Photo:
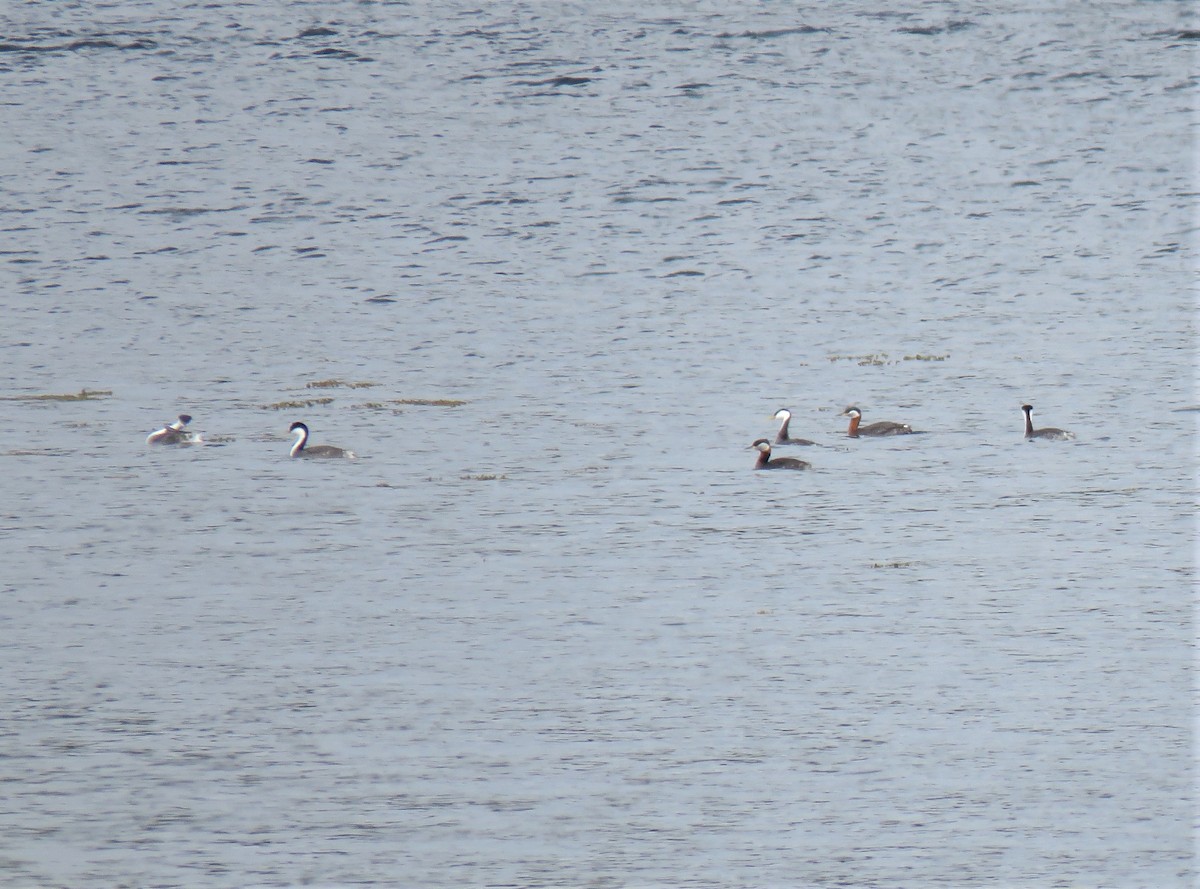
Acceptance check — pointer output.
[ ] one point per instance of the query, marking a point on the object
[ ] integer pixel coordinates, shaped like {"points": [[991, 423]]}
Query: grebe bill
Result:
{"points": [[785, 417], [299, 449], [173, 433], [765, 462], [883, 427], [1049, 433]]}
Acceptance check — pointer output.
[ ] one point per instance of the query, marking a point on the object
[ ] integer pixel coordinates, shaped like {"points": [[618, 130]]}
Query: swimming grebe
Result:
{"points": [[1049, 432], [173, 433], [784, 415], [299, 449], [883, 427], [765, 461]]}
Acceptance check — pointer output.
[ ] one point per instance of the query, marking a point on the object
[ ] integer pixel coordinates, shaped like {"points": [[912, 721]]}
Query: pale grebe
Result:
{"points": [[299, 449], [765, 461], [1049, 432], [173, 433], [784, 415], [883, 427]]}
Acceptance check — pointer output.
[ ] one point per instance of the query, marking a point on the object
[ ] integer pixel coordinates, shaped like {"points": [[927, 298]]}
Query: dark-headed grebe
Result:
{"points": [[173, 433], [765, 461], [883, 427], [1049, 432], [299, 449], [785, 416]]}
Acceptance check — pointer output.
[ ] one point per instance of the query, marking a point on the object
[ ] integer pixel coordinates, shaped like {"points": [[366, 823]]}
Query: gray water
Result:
{"points": [[552, 629]]}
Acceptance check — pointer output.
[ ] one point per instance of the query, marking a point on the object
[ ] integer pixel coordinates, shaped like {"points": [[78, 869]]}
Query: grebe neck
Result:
{"points": [[1028, 409], [854, 420], [301, 433], [786, 416]]}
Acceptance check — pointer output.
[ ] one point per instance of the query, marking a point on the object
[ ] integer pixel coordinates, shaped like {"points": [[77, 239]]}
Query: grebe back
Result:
{"points": [[765, 462], [299, 449]]}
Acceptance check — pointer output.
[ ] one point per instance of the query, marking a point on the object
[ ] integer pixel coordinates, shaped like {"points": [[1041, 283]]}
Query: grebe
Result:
{"points": [[299, 449], [1049, 432], [883, 427], [173, 433], [765, 461], [785, 416]]}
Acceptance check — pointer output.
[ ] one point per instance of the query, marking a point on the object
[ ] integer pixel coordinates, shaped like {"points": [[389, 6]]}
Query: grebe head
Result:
{"points": [[783, 414], [298, 428], [852, 412], [1027, 407], [762, 445]]}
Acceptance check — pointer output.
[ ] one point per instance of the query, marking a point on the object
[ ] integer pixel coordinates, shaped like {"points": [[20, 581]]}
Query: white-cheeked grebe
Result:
{"points": [[1049, 432], [299, 449], [883, 427], [174, 433], [765, 462], [785, 416]]}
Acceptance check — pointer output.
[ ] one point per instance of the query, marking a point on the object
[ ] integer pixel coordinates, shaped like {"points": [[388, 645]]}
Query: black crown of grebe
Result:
{"points": [[299, 449], [765, 462], [883, 427], [785, 417], [174, 433], [1049, 433]]}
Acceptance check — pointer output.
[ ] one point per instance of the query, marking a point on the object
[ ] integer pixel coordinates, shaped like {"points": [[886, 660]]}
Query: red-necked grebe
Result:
{"points": [[1048, 433], [765, 461], [299, 449], [883, 427]]}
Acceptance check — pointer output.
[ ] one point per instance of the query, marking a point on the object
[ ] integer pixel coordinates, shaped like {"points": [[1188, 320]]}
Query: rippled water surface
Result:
{"points": [[557, 266]]}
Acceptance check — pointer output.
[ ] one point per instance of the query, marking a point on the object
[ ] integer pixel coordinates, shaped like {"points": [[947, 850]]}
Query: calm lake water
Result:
{"points": [[565, 263]]}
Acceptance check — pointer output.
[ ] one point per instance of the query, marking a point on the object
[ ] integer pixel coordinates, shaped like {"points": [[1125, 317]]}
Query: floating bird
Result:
{"points": [[883, 427], [299, 449], [785, 416], [173, 433], [1048, 433], [765, 461]]}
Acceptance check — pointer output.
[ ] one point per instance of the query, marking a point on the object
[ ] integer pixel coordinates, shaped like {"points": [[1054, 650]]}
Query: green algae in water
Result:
{"points": [[409, 402], [336, 384], [289, 405], [862, 359], [81, 395], [879, 359], [920, 357]]}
